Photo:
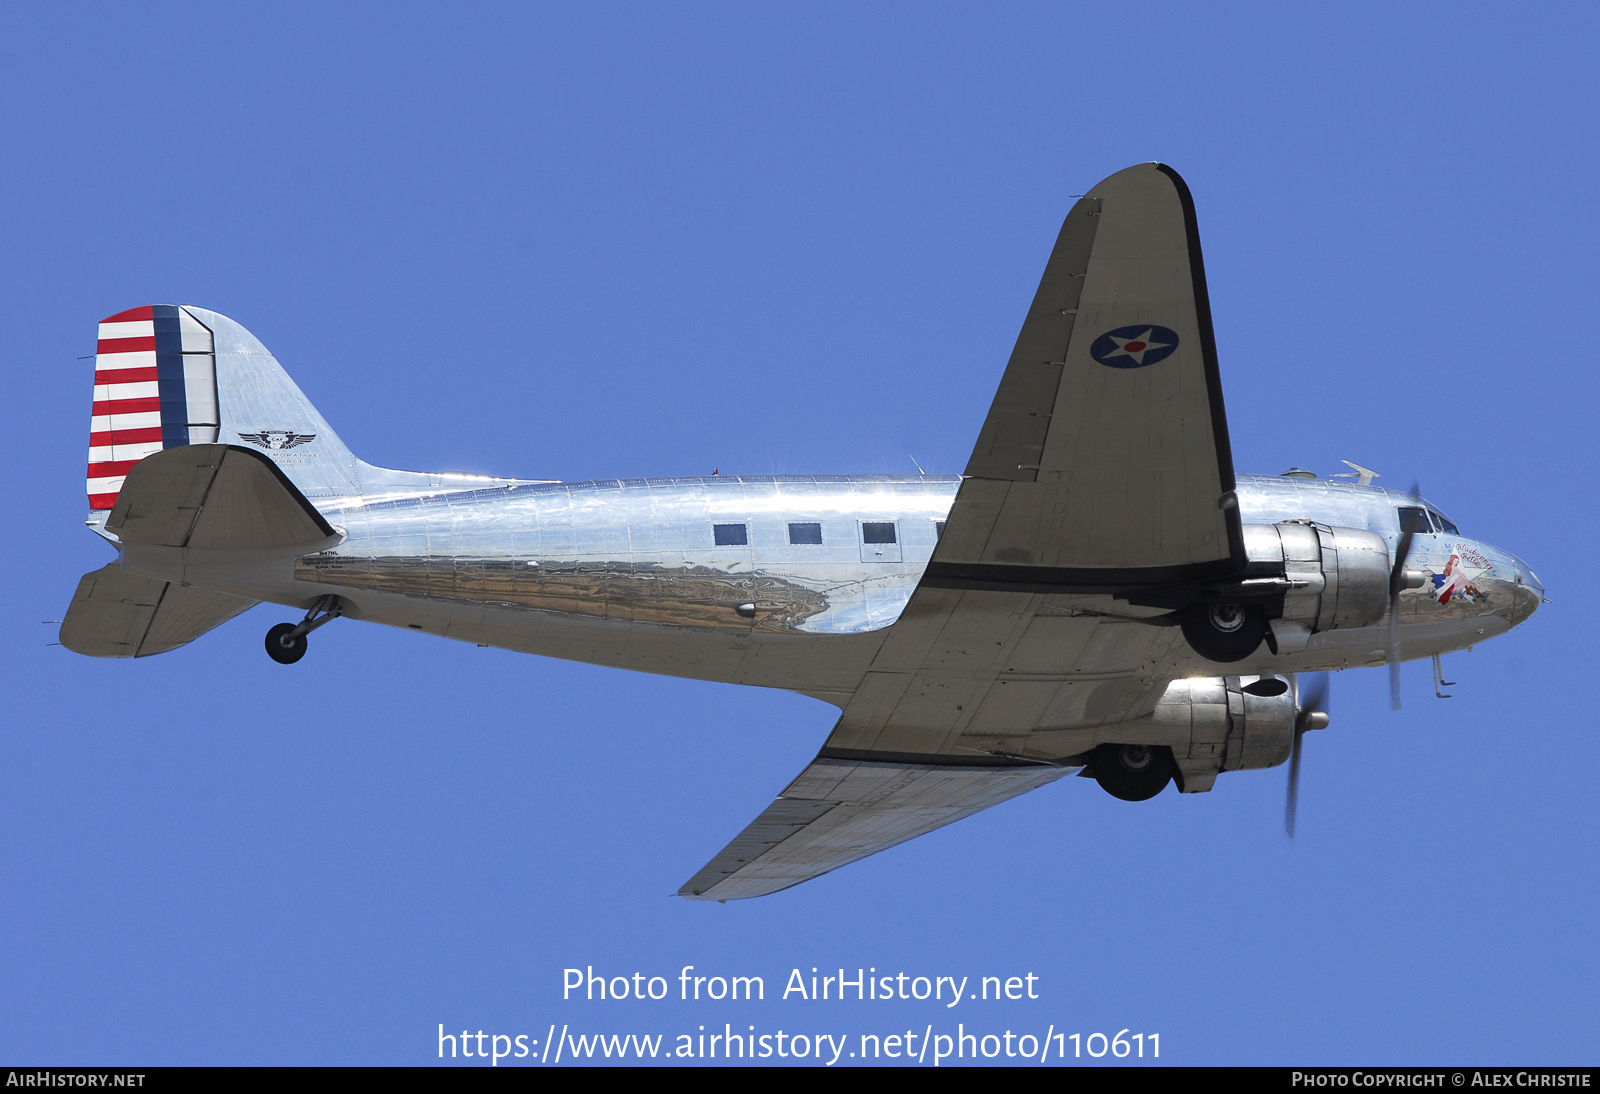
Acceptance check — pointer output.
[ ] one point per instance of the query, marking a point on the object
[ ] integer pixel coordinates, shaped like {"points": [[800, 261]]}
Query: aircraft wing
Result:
{"points": [[1104, 461], [841, 809], [1102, 479], [976, 696]]}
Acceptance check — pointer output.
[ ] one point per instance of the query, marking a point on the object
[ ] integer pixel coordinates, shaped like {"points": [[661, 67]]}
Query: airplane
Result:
{"points": [[1098, 594]]}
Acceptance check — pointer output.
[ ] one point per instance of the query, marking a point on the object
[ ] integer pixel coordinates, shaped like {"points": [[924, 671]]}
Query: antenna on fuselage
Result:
{"points": [[1362, 475], [915, 464]]}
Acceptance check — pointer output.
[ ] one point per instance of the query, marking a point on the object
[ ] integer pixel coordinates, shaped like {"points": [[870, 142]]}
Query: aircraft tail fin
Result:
{"points": [[168, 376]]}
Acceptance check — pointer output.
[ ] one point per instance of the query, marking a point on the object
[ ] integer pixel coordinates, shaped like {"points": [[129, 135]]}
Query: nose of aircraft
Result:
{"points": [[1526, 589]]}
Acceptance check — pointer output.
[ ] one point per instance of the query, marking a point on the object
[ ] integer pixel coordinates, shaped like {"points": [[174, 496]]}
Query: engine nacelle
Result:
{"points": [[1226, 728], [1331, 577]]}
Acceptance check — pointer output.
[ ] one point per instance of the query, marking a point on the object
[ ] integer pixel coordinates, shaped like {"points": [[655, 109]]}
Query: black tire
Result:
{"points": [[1134, 773], [1225, 632], [285, 654]]}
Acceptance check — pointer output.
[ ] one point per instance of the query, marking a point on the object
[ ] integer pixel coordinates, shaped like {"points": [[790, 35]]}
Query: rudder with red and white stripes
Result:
{"points": [[155, 387]]}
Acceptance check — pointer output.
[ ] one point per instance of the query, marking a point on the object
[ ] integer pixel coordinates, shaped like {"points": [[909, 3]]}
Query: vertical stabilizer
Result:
{"points": [[168, 375], [263, 409]]}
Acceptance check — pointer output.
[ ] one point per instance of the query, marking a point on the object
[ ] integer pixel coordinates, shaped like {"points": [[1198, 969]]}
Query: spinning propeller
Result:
{"points": [[1400, 579], [1311, 708], [1311, 712]]}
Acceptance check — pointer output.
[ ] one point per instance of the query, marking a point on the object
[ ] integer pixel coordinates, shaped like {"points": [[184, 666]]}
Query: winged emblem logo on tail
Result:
{"points": [[277, 439]]}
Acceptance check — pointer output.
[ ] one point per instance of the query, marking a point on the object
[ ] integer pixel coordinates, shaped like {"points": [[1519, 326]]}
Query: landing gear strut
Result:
{"points": [[1134, 773], [1224, 632], [286, 643]]}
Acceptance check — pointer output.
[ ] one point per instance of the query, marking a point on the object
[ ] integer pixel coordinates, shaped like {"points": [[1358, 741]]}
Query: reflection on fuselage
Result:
{"points": [[799, 555]]}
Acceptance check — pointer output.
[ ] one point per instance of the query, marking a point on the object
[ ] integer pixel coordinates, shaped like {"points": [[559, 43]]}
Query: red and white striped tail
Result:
{"points": [[155, 387]]}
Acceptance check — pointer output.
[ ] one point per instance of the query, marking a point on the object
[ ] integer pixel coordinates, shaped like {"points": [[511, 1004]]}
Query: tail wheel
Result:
{"points": [[1224, 632], [282, 648], [1134, 773]]}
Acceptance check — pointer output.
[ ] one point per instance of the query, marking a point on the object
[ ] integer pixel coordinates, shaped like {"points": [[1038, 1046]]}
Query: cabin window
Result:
{"points": [[1414, 519], [805, 533], [730, 535], [938, 529], [877, 531]]}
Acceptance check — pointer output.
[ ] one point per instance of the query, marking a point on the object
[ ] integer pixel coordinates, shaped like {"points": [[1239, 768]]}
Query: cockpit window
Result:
{"points": [[1446, 523], [1414, 519]]}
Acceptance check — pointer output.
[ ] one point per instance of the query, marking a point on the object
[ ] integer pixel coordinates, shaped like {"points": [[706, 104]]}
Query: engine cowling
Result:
{"points": [[1331, 578], [1226, 728]]}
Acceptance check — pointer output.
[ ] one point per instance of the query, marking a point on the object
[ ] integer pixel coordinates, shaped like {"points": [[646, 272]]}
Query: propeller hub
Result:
{"points": [[1314, 719]]}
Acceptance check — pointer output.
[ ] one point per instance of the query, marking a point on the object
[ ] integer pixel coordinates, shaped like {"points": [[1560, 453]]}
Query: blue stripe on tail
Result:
{"points": [[169, 373]]}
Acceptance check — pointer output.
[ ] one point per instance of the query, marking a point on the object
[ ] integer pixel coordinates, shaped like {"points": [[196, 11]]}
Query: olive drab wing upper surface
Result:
{"points": [[1105, 455], [1103, 462]]}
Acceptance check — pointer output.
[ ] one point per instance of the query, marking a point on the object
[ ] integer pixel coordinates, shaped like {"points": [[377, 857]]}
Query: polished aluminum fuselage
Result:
{"points": [[629, 573]]}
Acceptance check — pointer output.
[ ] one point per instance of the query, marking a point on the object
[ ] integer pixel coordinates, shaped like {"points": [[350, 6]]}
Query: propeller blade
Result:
{"points": [[1316, 697], [1310, 713], [1294, 783], [1394, 650], [1402, 553]]}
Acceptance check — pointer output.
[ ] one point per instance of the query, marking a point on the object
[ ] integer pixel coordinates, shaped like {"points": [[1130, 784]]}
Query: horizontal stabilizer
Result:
{"points": [[196, 501], [215, 497], [116, 614], [842, 809]]}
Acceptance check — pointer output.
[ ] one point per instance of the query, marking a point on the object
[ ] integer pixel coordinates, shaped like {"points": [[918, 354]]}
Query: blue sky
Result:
{"points": [[593, 241]]}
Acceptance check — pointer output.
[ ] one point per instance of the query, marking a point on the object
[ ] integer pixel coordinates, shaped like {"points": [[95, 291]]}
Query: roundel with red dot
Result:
{"points": [[1134, 347]]}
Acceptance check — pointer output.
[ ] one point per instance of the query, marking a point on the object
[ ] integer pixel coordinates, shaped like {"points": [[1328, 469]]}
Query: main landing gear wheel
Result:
{"points": [[1224, 632], [284, 646], [286, 643], [1134, 773]]}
